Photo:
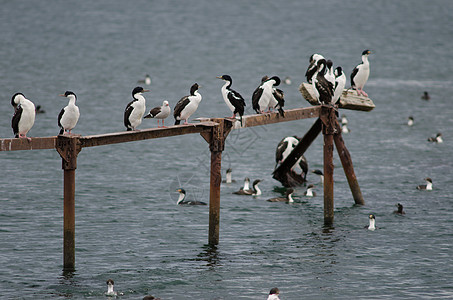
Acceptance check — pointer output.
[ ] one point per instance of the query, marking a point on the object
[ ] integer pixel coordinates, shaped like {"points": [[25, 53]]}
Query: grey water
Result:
{"points": [[128, 226]]}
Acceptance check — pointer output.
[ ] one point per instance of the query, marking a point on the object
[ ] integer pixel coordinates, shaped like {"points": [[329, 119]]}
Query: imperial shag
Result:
{"points": [[24, 116], [187, 105], [360, 74], [182, 199], [69, 115], [135, 109], [264, 93], [322, 88], [313, 66], [159, 112], [288, 197], [233, 99], [340, 82]]}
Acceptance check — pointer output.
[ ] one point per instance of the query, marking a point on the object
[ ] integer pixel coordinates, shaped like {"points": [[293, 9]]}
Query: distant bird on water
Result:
{"points": [[319, 173], [187, 105], [372, 225], [360, 74], [340, 82], [110, 291], [425, 96], [233, 99], [69, 115], [229, 179], [309, 192], [135, 109], [428, 186], [410, 121], [245, 190], [24, 115], [159, 113], [322, 88], [288, 197], [255, 189], [313, 66], [146, 81], [400, 210], [287, 80], [436, 139], [273, 294], [39, 110], [182, 199]]}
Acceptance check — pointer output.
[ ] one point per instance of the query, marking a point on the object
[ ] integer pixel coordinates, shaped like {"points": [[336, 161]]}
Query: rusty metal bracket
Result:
{"points": [[68, 147]]}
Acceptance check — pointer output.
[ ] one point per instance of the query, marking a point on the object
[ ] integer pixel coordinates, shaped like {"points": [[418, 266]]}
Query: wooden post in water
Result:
{"points": [[68, 147]]}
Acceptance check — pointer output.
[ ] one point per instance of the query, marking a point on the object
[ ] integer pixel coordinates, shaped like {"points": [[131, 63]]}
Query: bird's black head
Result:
{"points": [[366, 52], [110, 281], [229, 170], [274, 291], [371, 217], [68, 93], [289, 191], [429, 179], [226, 78], [321, 63], [276, 79], [256, 182], [317, 172], [181, 190], [329, 63], [14, 101], [338, 71], [138, 90], [194, 88]]}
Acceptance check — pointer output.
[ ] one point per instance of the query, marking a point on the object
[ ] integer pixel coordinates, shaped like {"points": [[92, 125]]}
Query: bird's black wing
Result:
{"points": [[256, 97], [311, 70], [127, 114], [354, 72], [280, 97], [16, 119], [237, 101], [60, 115], [179, 107], [325, 89], [155, 111], [280, 149]]}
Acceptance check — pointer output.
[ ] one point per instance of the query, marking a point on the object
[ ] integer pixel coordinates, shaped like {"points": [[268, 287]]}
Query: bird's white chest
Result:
{"points": [[27, 118], [138, 112], [164, 112], [362, 75], [191, 107], [225, 92], [70, 117]]}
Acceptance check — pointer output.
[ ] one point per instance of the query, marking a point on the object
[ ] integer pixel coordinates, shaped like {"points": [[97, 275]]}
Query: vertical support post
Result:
{"points": [[216, 145], [68, 147], [328, 118], [348, 168]]}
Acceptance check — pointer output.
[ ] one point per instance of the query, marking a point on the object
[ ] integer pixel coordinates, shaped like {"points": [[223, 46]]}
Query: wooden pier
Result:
{"points": [[214, 131]]}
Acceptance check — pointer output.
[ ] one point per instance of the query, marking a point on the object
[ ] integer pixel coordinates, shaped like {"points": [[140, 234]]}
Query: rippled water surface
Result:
{"points": [[128, 227]]}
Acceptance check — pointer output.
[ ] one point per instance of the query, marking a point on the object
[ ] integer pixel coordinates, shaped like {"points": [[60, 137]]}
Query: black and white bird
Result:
{"points": [[255, 189], [24, 116], [428, 186], [273, 294], [340, 82], [320, 174], [330, 76], [135, 109], [284, 148], [344, 120], [245, 190], [40, 110], [322, 88], [159, 113], [263, 94], [400, 210], [425, 96], [277, 101], [69, 115], [187, 105], [146, 81], [110, 291], [288, 197], [372, 225], [410, 121], [229, 175], [309, 192], [313, 66], [182, 199], [345, 129], [360, 74], [437, 139], [233, 99]]}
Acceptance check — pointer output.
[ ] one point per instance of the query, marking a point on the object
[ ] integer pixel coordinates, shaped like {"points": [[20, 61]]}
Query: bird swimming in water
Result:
{"points": [[288, 197], [110, 291], [410, 121], [322, 88], [340, 82], [345, 129], [313, 66], [436, 139], [182, 197], [273, 294], [24, 116], [150, 297], [229, 179], [344, 120], [309, 192], [159, 113], [425, 96], [428, 186], [372, 225], [69, 115], [135, 109], [319, 173], [233, 99], [146, 81], [255, 189], [39, 110], [187, 105], [245, 190], [263, 94], [400, 210], [360, 74], [287, 80]]}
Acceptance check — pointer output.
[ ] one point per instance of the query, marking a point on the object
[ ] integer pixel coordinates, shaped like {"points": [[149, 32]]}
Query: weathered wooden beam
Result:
{"points": [[15, 144], [274, 117], [348, 167], [144, 134], [282, 172], [328, 119], [348, 100]]}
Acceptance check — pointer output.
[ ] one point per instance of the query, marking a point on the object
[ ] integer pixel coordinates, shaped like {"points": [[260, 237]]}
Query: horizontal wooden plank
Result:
{"points": [[348, 100], [144, 134], [274, 117], [25, 144]]}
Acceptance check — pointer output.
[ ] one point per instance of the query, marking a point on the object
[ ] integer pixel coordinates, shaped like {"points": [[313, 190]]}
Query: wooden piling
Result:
{"points": [[348, 167]]}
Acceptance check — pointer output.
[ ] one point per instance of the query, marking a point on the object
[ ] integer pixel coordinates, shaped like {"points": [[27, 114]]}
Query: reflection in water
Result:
{"points": [[210, 254]]}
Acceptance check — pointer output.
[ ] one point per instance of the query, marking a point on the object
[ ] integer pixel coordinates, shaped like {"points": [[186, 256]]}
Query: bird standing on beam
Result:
{"points": [[24, 116], [69, 115], [313, 66], [187, 105], [233, 99], [321, 86], [135, 109], [360, 74]]}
